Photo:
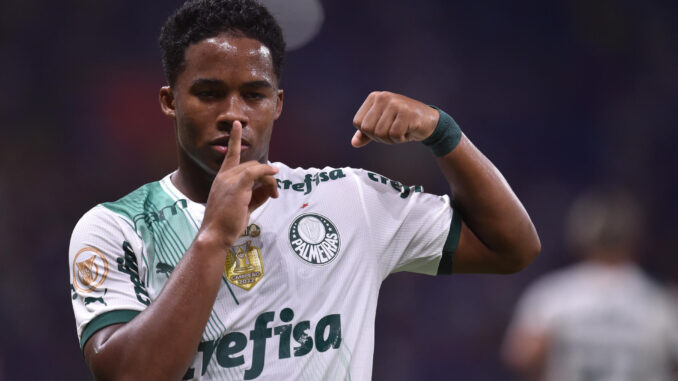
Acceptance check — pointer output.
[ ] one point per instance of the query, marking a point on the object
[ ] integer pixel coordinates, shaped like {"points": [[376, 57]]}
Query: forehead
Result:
{"points": [[228, 55]]}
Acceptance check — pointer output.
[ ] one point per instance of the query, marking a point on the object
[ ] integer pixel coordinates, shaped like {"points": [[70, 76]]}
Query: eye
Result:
{"points": [[209, 94], [254, 95]]}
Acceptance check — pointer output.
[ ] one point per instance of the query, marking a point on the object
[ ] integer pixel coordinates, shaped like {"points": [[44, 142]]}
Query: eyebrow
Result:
{"points": [[218, 82]]}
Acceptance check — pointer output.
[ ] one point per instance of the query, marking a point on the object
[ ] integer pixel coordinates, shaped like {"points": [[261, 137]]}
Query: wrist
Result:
{"points": [[212, 242], [445, 137]]}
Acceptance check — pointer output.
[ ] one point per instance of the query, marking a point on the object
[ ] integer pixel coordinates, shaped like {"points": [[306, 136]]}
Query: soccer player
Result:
{"points": [[602, 318], [234, 267]]}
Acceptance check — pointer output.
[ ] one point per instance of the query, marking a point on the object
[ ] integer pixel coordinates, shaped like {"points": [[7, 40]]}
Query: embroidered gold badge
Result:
{"points": [[244, 266]]}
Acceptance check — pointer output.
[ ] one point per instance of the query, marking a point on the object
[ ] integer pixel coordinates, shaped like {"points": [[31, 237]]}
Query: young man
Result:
{"points": [[233, 267]]}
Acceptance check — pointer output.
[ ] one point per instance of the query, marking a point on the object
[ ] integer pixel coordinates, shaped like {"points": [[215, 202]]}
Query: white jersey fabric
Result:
{"points": [[606, 323], [299, 290]]}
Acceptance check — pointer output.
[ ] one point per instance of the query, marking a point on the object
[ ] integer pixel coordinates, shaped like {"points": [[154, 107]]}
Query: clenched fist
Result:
{"points": [[393, 118]]}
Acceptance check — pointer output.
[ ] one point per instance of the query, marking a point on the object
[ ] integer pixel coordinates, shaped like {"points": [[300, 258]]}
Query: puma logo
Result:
{"points": [[164, 268], [91, 299]]}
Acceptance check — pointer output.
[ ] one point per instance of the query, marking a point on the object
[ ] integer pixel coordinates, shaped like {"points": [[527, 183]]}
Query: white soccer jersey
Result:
{"points": [[299, 291], [602, 323]]}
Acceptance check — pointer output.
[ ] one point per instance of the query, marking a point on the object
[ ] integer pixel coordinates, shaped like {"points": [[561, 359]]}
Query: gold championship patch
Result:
{"points": [[90, 269], [244, 266]]}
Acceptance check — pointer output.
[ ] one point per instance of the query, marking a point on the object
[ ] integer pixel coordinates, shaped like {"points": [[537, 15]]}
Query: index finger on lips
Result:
{"points": [[232, 158]]}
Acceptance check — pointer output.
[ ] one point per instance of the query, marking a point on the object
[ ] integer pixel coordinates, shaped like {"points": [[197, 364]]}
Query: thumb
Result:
{"points": [[360, 140]]}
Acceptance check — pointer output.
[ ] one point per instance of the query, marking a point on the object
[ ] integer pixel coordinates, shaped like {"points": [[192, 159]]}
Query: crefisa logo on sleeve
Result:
{"points": [[314, 238], [90, 269]]}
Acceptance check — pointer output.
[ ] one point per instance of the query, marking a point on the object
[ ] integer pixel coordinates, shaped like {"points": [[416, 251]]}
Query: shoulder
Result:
{"points": [[140, 201], [304, 179], [114, 219], [307, 179], [650, 290]]}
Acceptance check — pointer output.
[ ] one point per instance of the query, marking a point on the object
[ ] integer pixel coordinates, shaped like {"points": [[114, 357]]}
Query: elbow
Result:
{"points": [[525, 254], [521, 255], [108, 365]]}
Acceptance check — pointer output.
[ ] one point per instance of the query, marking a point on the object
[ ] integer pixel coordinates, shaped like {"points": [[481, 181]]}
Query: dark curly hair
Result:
{"points": [[197, 20]]}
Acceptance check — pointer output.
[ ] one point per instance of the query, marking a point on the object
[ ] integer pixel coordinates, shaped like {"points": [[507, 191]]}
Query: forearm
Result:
{"points": [[161, 342], [491, 211]]}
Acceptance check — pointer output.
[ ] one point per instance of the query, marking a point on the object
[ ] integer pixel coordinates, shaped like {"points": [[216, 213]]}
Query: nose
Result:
{"points": [[232, 109]]}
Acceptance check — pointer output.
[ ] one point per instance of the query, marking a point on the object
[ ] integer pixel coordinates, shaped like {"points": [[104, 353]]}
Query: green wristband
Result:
{"points": [[445, 137]]}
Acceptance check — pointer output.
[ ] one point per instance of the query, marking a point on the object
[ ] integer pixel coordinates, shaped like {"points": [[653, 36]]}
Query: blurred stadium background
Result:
{"points": [[561, 95]]}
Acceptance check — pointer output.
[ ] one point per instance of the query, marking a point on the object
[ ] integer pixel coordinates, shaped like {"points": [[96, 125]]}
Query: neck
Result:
{"points": [[192, 180]]}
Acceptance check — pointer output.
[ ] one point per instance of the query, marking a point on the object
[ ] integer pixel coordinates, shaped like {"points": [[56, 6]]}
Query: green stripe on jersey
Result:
{"points": [[162, 225], [446, 265], [104, 320]]}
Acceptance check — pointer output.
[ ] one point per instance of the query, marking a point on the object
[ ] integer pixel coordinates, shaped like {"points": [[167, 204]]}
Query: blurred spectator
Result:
{"points": [[600, 319]]}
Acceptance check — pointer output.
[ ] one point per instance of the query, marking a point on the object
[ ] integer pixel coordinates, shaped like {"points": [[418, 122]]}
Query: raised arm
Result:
{"points": [[497, 235], [161, 342]]}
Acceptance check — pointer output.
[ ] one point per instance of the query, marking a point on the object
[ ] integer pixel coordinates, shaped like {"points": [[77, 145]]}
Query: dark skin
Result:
{"points": [[228, 92]]}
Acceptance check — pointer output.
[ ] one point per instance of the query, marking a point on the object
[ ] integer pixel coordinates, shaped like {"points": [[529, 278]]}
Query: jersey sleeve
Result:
{"points": [[107, 281], [410, 230]]}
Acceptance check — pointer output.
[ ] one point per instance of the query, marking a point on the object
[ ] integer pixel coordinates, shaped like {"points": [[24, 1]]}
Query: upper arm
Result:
{"points": [[473, 256], [100, 363], [497, 235]]}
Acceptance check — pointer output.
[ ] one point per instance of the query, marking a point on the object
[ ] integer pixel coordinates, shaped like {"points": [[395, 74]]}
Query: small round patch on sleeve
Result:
{"points": [[90, 269]]}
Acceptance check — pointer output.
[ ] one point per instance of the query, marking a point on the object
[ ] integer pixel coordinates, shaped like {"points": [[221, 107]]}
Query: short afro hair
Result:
{"points": [[197, 20]]}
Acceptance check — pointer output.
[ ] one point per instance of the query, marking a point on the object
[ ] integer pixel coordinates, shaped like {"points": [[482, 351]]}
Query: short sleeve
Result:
{"points": [[106, 278], [410, 230]]}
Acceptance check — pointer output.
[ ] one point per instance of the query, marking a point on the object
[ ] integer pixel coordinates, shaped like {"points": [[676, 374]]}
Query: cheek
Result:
{"points": [[187, 133], [188, 126]]}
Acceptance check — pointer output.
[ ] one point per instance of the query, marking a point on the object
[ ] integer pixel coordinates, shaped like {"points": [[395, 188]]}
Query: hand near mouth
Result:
{"points": [[222, 143], [237, 190]]}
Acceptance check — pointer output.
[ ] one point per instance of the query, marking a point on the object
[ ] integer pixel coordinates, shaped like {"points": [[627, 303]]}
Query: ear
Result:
{"points": [[166, 98], [279, 105]]}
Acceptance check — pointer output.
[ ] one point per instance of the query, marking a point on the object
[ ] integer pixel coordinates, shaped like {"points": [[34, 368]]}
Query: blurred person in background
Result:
{"points": [[602, 318]]}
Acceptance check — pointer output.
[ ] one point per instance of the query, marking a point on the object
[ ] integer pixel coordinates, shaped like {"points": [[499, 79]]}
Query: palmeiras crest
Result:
{"points": [[314, 239]]}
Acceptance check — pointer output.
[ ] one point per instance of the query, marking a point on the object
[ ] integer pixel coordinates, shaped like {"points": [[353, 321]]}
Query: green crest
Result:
{"points": [[314, 238]]}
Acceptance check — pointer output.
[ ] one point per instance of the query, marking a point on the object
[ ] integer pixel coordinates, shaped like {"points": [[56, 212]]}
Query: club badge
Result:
{"points": [[314, 238]]}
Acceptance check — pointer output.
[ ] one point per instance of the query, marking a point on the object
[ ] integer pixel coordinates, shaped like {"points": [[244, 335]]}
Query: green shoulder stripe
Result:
{"points": [[139, 203], [104, 320]]}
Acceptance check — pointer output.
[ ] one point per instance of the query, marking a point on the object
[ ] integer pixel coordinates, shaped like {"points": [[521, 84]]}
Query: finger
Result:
{"points": [[268, 188], [233, 153], [243, 167], [364, 108], [370, 120], [360, 139], [382, 129], [256, 172], [271, 183], [399, 132]]}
